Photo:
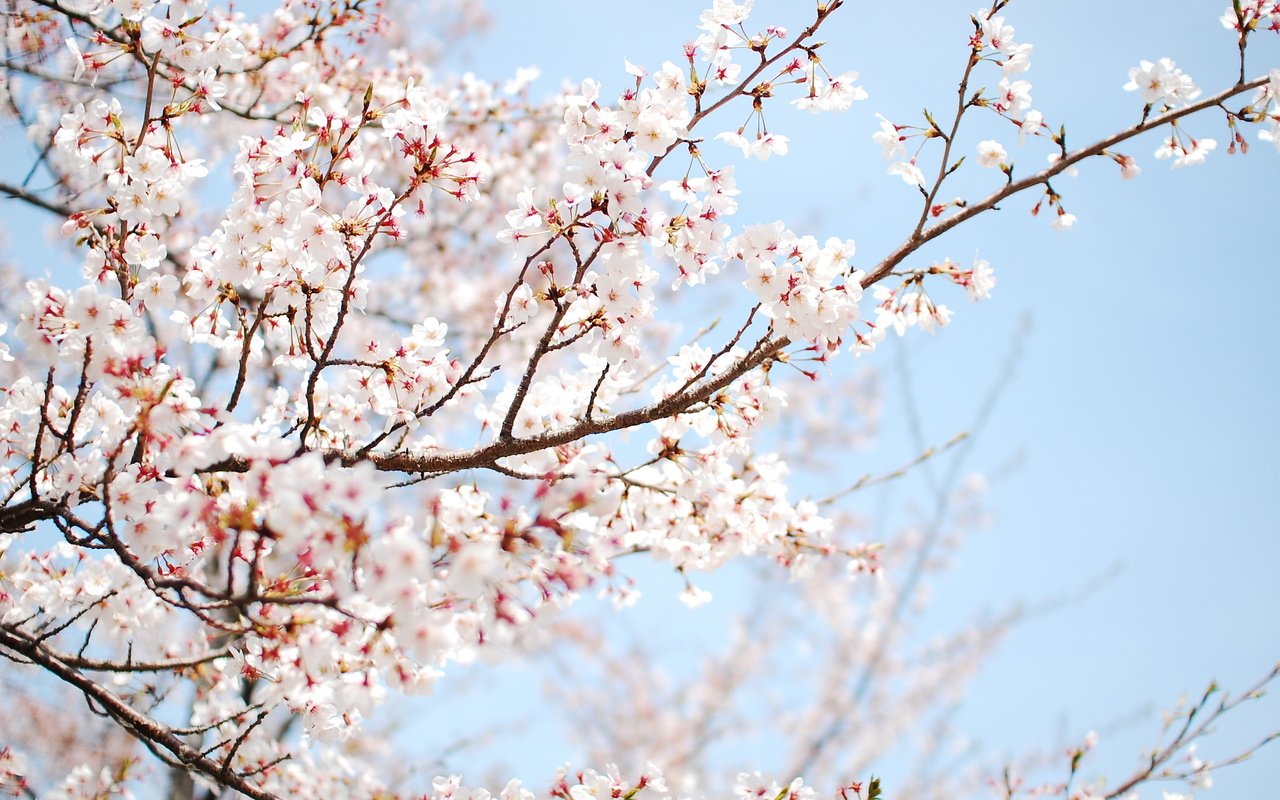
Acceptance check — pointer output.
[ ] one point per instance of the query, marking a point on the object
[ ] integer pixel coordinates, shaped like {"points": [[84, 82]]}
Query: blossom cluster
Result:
{"points": [[809, 291], [1250, 15], [1268, 102], [1162, 82]]}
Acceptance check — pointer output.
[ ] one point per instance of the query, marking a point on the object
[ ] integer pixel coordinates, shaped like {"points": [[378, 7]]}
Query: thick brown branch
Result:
{"points": [[18, 193], [21, 516], [486, 455], [142, 727], [1069, 160]]}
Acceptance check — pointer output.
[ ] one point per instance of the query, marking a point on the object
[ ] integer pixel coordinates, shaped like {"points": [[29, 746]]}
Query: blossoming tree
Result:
{"points": [[364, 371]]}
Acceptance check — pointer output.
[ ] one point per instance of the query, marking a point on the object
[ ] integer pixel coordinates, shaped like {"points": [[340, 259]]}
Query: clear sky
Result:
{"points": [[1142, 418]]}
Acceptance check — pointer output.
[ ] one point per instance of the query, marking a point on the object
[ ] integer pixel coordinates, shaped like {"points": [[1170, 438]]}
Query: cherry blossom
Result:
{"points": [[365, 372], [1161, 82], [991, 153], [889, 138], [909, 172], [1186, 151]]}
